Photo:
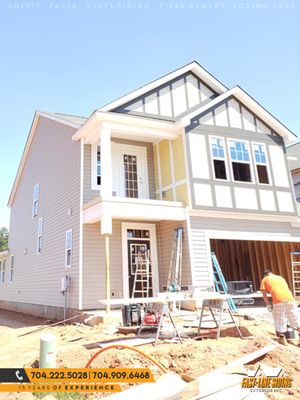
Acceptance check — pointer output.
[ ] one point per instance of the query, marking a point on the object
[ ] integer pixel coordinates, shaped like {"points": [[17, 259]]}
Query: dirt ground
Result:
{"points": [[192, 357]]}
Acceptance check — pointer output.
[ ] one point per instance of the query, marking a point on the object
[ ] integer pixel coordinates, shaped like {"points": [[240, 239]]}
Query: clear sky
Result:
{"points": [[74, 56]]}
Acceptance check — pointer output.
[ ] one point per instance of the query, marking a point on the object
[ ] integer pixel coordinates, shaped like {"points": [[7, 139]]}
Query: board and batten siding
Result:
{"points": [[90, 194], [165, 235], [171, 100], [277, 197], [53, 162]]}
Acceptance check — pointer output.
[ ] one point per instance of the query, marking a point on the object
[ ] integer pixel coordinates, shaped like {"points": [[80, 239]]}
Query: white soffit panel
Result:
{"points": [[179, 97], [285, 202], [206, 93], [199, 160], [221, 117], [151, 105], [245, 198], [165, 102], [223, 196], [137, 106], [234, 114], [207, 119], [193, 91], [261, 127], [203, 196], [248, 120], [278, 165], [267, 200]]}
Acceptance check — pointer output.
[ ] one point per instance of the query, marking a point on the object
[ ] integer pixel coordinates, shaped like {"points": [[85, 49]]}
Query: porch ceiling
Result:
{"points": [[133, 209]]}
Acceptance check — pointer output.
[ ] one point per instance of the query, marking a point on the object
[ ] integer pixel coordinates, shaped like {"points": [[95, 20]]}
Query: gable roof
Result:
{"points": [[70, 120], [194, 67], [249, 102]]}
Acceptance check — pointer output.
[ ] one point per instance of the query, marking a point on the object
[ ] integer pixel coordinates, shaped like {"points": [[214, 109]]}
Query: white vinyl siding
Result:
{"points": [[69, 246], [35, 205], [39, 236], [11, 271]]}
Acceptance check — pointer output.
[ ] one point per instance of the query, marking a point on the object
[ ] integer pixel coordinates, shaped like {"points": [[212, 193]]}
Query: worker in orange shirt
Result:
{"points": [[284, 306]]}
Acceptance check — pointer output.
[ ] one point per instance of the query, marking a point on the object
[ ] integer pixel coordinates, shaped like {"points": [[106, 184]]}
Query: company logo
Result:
{"points": [[267, 379]]}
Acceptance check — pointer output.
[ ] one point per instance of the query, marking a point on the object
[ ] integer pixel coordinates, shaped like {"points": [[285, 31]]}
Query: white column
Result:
{"points": [[106, 168]]}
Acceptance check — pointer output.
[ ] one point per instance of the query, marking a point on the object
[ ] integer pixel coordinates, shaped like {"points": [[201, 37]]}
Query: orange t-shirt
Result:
{"points": [[277, 287]]}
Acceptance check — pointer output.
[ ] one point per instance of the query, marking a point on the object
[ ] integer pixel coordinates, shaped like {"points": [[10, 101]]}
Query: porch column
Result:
{"points": [[106, 168], [106, 193]]}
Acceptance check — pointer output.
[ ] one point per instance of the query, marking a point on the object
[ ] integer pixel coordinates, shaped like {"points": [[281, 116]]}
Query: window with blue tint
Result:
{"points": [[261, 162], [218, 155], [239, 151]]}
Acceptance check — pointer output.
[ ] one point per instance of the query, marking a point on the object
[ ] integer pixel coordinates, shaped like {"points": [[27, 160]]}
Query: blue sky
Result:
{"points": [[74, 56]]}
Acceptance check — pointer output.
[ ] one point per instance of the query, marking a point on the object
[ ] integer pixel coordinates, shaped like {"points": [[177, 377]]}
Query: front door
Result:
{"points": [[139, 268], [130, 172]]}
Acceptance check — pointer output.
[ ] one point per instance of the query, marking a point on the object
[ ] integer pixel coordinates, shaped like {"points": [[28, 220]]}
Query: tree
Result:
{"points": [[3, 239]]}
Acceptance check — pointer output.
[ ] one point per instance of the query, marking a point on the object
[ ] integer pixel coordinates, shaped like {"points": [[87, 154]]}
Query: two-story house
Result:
{"points": [[183, 150]]}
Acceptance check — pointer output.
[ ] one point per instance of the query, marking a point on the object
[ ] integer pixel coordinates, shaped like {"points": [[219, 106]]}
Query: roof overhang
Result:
{"points": [[194, 67], [122, 125], [249, 102]]}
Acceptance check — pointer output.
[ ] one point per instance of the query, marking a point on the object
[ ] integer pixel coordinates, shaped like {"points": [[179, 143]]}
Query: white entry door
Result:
{"points": [[130, 172]]}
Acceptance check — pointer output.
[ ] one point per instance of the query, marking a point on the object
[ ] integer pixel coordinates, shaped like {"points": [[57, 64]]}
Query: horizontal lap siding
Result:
{"points": [[165, 234], [94, 278], [54, 163]]}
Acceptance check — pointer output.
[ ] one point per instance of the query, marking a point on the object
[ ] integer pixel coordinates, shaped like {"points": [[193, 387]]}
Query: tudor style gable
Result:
{"points": [[172, 99]]}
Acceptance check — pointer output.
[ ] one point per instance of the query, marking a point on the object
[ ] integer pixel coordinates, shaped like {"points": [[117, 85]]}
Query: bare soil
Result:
{"points": [[192, 357]]}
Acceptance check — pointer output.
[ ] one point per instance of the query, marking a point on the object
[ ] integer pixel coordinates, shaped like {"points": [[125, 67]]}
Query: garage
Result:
{"points": [[245, 260]]}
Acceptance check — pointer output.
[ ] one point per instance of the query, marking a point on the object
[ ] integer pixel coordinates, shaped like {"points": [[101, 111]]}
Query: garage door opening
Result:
{"points": [[245, 260]]}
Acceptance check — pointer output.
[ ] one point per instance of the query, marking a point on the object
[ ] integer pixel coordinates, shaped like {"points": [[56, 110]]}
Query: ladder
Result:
{"points": [[174, 275], [220, 282], [295, 261], [142, 275]]}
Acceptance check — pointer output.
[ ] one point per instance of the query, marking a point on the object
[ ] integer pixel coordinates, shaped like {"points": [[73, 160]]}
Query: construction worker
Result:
{"points": [[284, 307]]}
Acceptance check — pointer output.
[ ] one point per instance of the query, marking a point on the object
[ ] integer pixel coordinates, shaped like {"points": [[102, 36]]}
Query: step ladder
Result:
{"points": [[220, 282], [143, 275], [174, 275], [295, 261]]}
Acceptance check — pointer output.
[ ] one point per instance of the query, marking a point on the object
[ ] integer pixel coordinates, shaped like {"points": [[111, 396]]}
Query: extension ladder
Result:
{"points": [[219, 280], [295, 260], [142, 275], [174, 275]]}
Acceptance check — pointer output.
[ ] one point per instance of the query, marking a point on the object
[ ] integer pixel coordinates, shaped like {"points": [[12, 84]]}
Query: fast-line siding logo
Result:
{"points": [[267, 379]]}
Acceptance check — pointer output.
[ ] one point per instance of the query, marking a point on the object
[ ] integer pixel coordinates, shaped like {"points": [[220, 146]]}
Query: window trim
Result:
{"points": [[250, 162], [35, 200], [94, 149], [11, 268], [225, 159], [69, 231], [39, 243], [2, 271], [267, 164]]}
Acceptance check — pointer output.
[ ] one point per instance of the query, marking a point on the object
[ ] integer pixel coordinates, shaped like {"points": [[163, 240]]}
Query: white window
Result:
{"points": [[11, 272], [260, 159], [35, 206], [217, 149], [68, 255], [240, 160], [96, 167], [2, 271], [39, 236]]}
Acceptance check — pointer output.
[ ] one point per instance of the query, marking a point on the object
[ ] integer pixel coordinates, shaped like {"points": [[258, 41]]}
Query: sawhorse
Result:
{"points": [[218, 305]]}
